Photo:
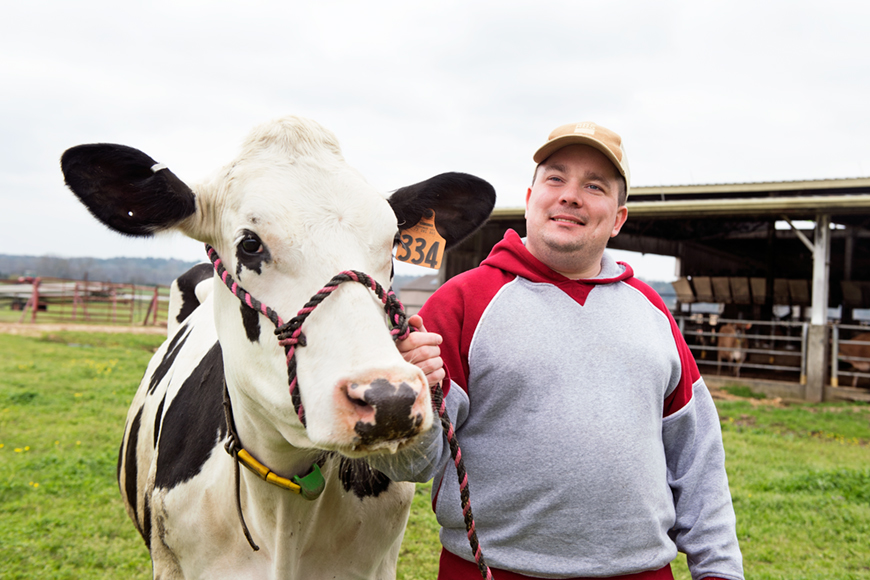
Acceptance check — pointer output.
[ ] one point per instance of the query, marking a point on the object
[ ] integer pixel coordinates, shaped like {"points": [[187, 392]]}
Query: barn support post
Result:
{"points": [[817, 341]]}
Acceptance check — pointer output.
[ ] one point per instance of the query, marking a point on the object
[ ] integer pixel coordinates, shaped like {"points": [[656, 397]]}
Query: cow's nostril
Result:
{"points": [[356, 401]]}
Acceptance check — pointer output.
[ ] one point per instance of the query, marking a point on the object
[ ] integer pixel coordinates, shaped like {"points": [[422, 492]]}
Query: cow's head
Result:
{"points": [[285, 217]]}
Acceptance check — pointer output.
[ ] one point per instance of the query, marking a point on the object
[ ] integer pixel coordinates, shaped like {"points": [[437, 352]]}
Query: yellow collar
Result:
{"points": [[309, 486]]}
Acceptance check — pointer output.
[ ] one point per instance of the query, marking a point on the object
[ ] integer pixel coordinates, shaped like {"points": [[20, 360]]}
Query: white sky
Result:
{"points": [[701, 92]]}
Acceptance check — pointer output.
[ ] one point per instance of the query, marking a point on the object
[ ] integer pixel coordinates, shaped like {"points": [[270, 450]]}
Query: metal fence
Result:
{"points": [[56, 300], [855, 351], [774, 347]]}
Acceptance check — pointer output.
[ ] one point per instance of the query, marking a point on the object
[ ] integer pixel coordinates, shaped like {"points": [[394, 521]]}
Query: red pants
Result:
{"points": [[452, 567]]}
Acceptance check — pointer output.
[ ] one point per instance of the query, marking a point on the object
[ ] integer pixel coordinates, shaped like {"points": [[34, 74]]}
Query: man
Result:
{"points": [[591, 442]]}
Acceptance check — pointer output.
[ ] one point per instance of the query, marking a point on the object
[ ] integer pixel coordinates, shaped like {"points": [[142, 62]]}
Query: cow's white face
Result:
{"points": [[283, 230], [285, 217]]}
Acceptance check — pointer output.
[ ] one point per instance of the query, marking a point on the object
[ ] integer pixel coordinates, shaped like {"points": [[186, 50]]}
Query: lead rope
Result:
{"points": [[232, 447], [290, 336]]}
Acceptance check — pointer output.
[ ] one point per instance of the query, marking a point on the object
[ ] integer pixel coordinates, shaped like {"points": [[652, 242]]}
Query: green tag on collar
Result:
{"points": [[312, 484]]}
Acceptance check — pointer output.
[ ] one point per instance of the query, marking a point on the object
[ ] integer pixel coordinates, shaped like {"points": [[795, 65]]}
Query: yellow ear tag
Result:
{"points": [[422, 245]]}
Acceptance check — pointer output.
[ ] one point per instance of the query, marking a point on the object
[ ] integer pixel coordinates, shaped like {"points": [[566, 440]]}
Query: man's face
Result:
{"points": [[572, 210]]}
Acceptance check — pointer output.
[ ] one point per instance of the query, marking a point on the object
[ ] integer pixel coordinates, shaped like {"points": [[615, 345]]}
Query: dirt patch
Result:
{"points": [[23, 329], [720, 395]]}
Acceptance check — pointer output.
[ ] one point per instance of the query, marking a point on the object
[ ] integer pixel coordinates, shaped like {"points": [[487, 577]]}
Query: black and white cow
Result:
{"points": [[285, 217]]}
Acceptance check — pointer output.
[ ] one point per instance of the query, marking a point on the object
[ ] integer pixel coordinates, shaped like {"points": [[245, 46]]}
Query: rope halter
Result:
{"points": [[290, 334]]}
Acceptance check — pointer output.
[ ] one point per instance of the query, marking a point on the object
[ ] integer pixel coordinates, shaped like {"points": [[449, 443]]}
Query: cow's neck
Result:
{"points": [[259, 437]]}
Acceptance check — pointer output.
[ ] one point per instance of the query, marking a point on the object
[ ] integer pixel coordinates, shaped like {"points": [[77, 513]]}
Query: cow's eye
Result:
{"points": [[251, 244]]}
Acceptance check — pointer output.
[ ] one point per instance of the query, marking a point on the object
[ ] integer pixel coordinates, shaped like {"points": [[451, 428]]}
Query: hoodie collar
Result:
{"points": [[511, 255]]}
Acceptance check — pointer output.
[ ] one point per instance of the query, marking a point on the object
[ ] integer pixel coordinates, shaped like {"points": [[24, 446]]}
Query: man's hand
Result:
{"points": [[421, 349]]}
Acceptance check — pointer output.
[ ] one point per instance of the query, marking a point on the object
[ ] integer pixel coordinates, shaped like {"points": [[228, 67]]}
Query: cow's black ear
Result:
{"points": [[126, 189], [461, 202]]}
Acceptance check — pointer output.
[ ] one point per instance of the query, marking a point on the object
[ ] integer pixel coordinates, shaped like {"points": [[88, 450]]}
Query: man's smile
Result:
{"points": [[568, 219]]}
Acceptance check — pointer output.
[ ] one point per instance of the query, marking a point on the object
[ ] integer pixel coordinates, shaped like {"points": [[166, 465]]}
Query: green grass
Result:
{"points": [[799, 475], [743, 391], [63, 403]]}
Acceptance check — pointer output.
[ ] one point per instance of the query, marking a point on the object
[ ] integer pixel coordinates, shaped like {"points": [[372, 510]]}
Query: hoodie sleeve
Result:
{"points": [[705, 525], [426, 458]]}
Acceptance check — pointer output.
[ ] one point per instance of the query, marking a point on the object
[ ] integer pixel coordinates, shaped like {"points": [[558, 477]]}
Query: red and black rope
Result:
{"points": [[290, 336], [464, 493]]}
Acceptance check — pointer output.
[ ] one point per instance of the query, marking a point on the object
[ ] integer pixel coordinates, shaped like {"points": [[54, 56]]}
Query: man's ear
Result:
{"points": [[621, 216], [126, 189], [461, 202], [528, 197]]}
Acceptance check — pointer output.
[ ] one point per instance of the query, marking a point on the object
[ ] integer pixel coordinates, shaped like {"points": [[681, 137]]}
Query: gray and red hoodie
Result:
{"points": [[592, 445]]}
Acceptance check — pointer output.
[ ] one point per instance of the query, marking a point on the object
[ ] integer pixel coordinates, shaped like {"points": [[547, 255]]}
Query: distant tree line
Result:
{"points": [[146, 271], [151, 271]]}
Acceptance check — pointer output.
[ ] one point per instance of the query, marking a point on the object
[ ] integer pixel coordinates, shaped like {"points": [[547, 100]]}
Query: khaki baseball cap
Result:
{"points": [[587, 133]]}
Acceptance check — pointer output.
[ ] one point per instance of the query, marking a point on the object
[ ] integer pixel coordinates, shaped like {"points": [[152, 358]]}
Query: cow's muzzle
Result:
{"points": [[386, 411]]}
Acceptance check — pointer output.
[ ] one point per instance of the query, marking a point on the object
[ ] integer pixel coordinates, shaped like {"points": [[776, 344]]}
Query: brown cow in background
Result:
{"points": [[731, 346], [859, 351]]}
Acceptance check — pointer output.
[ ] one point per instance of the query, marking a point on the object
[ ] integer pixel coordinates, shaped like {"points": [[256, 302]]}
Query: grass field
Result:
{"points": [[799, 474]]}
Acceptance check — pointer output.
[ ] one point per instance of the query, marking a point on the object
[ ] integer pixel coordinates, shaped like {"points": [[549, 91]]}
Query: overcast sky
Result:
{"points": [[701, 92]]}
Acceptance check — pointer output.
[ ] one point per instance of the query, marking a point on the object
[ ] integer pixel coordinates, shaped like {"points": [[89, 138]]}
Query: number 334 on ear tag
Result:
{"points": [[421, 245]]}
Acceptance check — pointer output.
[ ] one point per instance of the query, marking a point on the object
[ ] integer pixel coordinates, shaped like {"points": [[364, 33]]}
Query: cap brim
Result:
{"points": [[552, 146]]}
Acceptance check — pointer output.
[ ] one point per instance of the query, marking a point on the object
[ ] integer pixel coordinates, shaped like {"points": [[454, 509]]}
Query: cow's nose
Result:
{"points": [[385, 411]]}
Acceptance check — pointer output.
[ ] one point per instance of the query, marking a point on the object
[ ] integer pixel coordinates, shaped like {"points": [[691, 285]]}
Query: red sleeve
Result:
{"points": [[690, 374], [454, 311]]}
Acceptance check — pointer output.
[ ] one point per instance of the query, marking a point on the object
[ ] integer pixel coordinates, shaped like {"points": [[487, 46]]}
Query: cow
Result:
{"points": [[858, 347], [187, 293], [280, 222], [731, 346]]}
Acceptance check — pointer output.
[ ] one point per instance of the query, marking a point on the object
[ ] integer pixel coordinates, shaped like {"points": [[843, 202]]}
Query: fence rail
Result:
{"points": [[57, 300], [855, 352], [775, 346]]}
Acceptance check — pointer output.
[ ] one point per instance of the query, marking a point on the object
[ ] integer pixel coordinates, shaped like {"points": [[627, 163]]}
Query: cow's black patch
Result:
{"points": [[393, 418], [251, 322], [120, 460], [193, 423], [358, 476], [169, 358], [187, 283], [146, 519], [131, 469]]}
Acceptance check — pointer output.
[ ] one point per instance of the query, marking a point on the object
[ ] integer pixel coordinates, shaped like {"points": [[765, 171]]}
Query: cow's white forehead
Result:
{"points": [[292, 188], [291, 137]]}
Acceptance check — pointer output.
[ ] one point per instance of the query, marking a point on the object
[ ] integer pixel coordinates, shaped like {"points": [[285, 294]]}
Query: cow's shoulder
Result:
{"points": [[192, 424], [187, 292]]}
